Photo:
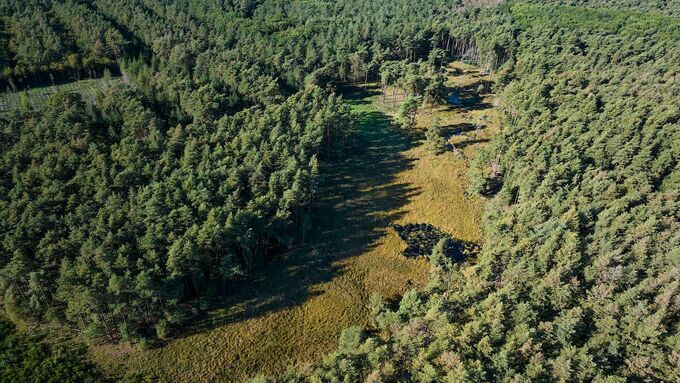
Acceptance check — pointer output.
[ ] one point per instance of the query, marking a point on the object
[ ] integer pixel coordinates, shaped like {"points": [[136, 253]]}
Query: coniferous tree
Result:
{"points": [[434, 140]]}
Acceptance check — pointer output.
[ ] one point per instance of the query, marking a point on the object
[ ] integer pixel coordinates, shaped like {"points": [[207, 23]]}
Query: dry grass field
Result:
{"points": [[292, 312]]}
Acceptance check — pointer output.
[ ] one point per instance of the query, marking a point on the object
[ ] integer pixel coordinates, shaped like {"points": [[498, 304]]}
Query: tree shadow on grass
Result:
{"points": [[471, 97], [358, 95], [357, 200], [466, 143], [456, 129], [422, 238], [464, 134]]}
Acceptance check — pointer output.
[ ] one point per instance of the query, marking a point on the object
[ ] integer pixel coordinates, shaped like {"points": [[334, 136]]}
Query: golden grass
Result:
{"points": [[442, 180], [292, 312]]}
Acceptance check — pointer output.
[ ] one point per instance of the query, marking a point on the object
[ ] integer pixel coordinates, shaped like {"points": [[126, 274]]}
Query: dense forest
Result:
{"points": [[123, 218], [669, 7]]}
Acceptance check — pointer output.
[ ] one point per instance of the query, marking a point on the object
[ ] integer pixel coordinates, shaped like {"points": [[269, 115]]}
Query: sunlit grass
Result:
{"points": [[292, 312], [442, 200]]}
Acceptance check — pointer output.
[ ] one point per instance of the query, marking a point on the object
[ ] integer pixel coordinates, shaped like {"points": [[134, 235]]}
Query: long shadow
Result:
{"points": [[465, 144], [358, 95], [352, 212], [471, 97], [452, 130], [472, 106], [463, 127]]}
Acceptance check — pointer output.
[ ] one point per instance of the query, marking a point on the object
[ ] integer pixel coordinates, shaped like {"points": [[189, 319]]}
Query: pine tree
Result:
{"points": [[408, 112], [434, 141]]}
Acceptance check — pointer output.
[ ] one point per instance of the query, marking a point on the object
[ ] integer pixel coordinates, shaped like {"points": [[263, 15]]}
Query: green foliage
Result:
{"points": [[33, 358], [247, 55], [669, 7], [434, 140], [124, 215], [350, 339], [35, 42], [408, 111], [56, 39]]}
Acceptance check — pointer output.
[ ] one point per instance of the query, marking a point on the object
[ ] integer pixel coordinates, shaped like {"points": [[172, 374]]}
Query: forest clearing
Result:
{"points": [[293, 312]]}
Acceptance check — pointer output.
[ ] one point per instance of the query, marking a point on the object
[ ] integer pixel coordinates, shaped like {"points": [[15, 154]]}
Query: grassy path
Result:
{"points": [[292, 312]]}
